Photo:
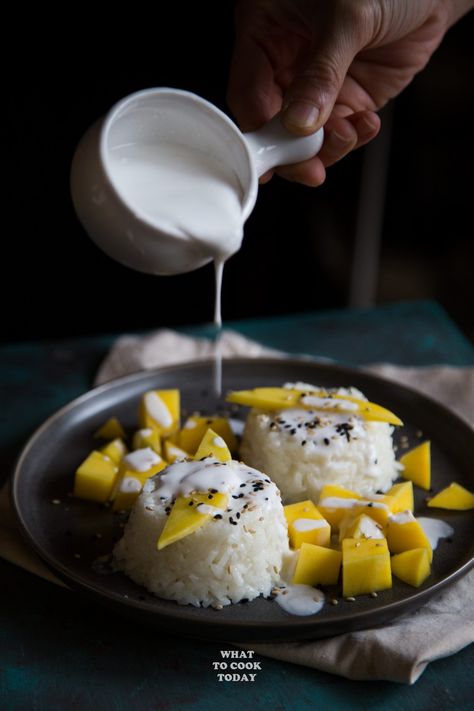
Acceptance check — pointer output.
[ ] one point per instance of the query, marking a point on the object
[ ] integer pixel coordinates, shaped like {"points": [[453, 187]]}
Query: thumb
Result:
{"points": [[310, 98]]}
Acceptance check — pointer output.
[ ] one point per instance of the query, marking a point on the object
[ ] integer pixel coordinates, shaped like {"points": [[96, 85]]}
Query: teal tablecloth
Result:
{"points": [[59, 650]]}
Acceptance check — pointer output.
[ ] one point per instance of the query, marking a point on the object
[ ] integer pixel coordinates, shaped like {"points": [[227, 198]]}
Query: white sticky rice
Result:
{"points": [[303, 450], [238, 556]]}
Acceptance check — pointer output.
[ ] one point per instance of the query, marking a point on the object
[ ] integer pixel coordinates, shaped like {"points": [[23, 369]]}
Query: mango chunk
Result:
{"points": [[359, 526], [188, 514], [95, 478], [313, 529], [365, 566], [116, 450], [336, 502], [306, 524], [160, 409], [284, 398], [135, 469], [112, 429], [213, 445], [417, 465], [195, 427], [403, 497], [317, 565], [147, 437], [172, 452], [454, 497], [404, 532], [413, 567], [302, 509]]}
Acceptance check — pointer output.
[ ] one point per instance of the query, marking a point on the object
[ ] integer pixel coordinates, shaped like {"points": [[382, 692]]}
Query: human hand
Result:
{"points": [[330, 63]]}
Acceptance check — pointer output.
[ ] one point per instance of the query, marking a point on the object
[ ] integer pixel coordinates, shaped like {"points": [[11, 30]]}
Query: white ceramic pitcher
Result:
{"points": [[159, 116]]}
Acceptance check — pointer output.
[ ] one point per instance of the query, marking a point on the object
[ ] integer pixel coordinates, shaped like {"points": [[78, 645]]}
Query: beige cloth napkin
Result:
{"points": [[399, 651]]}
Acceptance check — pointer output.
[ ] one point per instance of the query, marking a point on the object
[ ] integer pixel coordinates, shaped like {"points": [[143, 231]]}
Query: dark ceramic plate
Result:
{"points": [[71, 535]]}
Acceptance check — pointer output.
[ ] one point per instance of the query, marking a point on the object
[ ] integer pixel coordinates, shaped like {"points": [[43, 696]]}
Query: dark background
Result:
{"points": [[298, 246]]}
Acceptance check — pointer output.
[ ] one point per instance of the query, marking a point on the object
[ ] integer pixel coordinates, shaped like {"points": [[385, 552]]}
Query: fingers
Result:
{"points": [[309, 101], [345, 134], [342, 135], [309, 172]]}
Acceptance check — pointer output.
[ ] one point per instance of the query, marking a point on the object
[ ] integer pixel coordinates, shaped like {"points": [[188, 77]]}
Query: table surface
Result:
{"points": [[59, 650]]}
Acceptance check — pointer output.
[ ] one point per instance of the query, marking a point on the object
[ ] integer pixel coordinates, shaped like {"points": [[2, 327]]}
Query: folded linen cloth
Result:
{"points": [[398, 651]]}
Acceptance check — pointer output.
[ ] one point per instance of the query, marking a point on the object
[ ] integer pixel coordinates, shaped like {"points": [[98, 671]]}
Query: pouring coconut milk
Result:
{"points": [[165, 182], [193, 192]]}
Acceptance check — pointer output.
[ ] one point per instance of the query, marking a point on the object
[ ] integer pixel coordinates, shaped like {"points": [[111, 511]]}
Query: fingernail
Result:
{"points": [[340, 138], [367, 127], [301, 114]]}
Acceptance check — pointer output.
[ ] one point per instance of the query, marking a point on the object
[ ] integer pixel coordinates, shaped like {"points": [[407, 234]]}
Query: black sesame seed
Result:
{"points": [[217, 516], [303, 443], [210, 496], [213, 491], [191, 503], [293, 431], [326, 441], [237, 515], [242, 485]]}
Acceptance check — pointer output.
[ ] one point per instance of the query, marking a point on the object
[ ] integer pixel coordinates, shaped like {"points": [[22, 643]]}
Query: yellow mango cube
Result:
{"points": [[135, 469], [317, 565], [310, 529], [413, 567], [417, 465], [334, 503], [112, 429], [404, 532], [172, 452], [188, 514], [213, 445], [95, 478], [147, 437], [160, 409], [359, 526], [454, 497], [365, 566], [403, 497], [116, 450], [302, 509], [195, 427]]}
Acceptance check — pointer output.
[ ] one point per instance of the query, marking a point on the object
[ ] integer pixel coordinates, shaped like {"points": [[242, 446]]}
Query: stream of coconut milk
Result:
{"points": [[192, 195]]}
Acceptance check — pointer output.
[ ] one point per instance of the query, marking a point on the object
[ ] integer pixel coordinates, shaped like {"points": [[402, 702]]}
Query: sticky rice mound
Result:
{"points": [[302, 450], [238, 554]]}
